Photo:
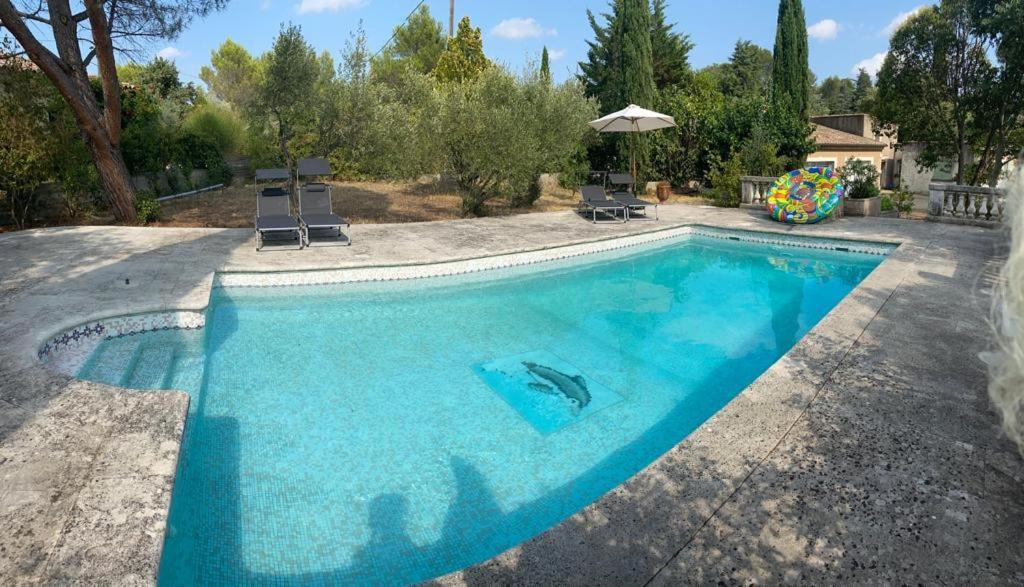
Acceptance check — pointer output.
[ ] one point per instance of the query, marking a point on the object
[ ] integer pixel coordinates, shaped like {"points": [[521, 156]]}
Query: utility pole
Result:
{"points": [[451, 18]]}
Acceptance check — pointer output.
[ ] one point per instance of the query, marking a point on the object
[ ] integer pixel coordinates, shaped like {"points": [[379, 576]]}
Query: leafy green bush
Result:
{"points": [[902, 200], [758, 155], [192, 151], [725, 183], [146, 207], [217, 123], [860, 178], [576, 170]]}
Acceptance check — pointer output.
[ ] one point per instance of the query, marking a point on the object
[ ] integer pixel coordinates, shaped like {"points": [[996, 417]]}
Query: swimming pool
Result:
{"points": [[361, 432]]}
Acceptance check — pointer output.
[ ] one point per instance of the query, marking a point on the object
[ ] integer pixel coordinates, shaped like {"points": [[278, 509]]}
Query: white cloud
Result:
{"points": [[170, 53], [521, 28], [312, 6], [871, 64], [265, 5], [825, 30], [901, 18], [556, 54]]}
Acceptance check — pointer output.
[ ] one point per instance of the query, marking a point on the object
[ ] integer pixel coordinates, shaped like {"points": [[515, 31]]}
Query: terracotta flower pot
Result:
{"points": [[664, 191]]}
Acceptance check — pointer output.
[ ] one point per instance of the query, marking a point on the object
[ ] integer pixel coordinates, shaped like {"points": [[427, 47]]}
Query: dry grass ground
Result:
{"points": [[359, 203]]}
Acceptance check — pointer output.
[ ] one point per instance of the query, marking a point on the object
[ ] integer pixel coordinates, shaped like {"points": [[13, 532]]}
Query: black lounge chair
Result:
{"points": [[274, 210], [621, 182], [315, 208], [626, 197], [594, 199]]}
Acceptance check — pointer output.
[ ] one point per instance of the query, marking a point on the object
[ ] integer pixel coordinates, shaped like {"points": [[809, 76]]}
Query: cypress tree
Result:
{"points": [[545, 66], [620, 71], [791, 84], [791, 77], [637, 58], [637, 76]]}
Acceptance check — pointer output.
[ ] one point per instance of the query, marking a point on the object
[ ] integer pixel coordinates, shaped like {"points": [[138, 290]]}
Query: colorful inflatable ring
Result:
{"points": [[805, 196]]}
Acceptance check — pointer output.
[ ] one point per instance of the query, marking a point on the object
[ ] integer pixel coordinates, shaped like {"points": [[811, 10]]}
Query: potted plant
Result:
{"points": [[863, 198]]}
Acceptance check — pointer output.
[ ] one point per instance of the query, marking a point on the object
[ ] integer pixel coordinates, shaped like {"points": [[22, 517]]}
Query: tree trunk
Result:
{"points": [[114, 176], [282, 143], [68, 74], [998, 159], [961, 152]]}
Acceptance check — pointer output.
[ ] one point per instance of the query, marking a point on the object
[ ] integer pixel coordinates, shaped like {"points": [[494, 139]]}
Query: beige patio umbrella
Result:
{"points": [[632, 119]]}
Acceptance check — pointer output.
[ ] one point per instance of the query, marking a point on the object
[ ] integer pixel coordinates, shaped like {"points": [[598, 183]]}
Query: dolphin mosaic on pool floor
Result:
{"points": [[547, 391]]}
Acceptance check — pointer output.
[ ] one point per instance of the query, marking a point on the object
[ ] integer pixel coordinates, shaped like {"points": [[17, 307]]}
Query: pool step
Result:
{"points": [[109, 364], [150, 369], [186, 373]]}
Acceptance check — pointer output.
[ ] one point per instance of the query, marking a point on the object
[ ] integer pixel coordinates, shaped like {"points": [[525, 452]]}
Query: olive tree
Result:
{"points": [[499, 133], [94, 32], [285, 90]]}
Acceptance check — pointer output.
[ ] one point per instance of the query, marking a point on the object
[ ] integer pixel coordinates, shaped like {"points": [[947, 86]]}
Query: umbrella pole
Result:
{"points": [[632, 150]]}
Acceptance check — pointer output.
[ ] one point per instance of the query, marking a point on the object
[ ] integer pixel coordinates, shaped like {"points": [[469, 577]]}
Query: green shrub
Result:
{"points": [[759, 155], [576, 169], [192, 151], [725, 183], [902, 200], [217, 123], [146, 207], [860, 178]]}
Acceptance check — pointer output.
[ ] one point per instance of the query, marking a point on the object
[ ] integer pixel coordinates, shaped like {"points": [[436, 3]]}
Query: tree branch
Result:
{"points": [[34, 16]]}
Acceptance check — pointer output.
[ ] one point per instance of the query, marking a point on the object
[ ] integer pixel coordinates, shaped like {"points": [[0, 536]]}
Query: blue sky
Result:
{"points": [[843, 34]]}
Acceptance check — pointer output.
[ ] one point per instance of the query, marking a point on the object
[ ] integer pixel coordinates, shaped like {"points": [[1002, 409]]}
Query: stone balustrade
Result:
{"points": [[966, 204], [755, 189]]}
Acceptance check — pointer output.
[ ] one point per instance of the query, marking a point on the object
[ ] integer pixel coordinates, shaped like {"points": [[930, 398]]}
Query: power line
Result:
{"points": [[392, 38]]}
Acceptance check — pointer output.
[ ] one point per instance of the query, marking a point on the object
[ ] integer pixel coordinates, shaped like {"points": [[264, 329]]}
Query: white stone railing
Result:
{"points": [[968, 204], [755, 189]]}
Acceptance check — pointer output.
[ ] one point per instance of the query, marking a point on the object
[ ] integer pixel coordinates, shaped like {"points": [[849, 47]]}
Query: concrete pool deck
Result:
{"points": [[868, 453]]}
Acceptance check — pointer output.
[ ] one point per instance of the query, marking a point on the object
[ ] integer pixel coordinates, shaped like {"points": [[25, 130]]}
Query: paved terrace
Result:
{"points": [[869, 453]]}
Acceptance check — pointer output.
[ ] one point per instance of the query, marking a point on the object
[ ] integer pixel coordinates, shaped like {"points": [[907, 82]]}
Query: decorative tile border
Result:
{"points": [[68, 351], [403, 272], [790, 240]]}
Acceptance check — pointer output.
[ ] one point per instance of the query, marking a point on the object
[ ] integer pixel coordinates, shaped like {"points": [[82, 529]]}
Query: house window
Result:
{"points": [[822, 163]]}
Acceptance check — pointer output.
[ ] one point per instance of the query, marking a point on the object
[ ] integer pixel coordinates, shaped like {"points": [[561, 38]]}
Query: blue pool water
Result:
{"points": [[393, 432]]}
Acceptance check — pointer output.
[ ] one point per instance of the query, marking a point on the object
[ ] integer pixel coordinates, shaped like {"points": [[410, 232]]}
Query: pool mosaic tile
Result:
{"points": [[545, 390]]}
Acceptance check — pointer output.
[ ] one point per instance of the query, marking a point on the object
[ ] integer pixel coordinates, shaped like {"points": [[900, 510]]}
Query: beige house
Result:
{"points": [[842, 137]]}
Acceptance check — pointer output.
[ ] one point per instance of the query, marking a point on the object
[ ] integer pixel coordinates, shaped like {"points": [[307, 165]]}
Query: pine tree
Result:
{"points": [[601, 74], [670, 50], [464, 57], [836, 95], [791, 84], [863, 91], [418, 44], [545, 66], [748, 72]]}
